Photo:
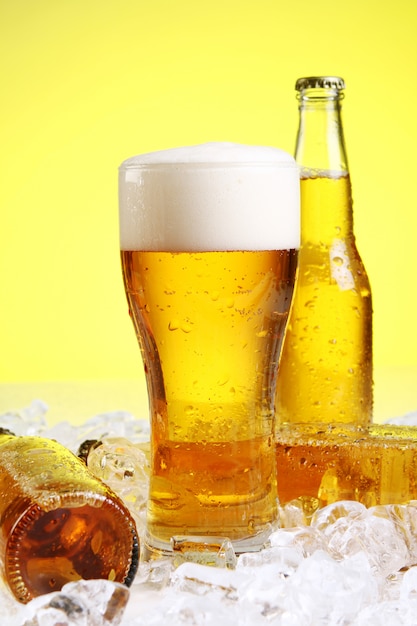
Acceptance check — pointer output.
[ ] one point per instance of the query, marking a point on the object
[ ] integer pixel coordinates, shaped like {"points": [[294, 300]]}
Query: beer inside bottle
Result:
{"points": [[325, 373], [374, 466], [209, 245], [58, 522]]}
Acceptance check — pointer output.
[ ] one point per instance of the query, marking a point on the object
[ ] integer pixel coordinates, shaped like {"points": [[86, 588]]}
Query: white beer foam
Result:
{"points": [[216, 196]]}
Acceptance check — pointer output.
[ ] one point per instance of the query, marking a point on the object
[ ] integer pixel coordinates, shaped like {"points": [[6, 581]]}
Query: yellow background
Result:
{"points": [[88, 83]]}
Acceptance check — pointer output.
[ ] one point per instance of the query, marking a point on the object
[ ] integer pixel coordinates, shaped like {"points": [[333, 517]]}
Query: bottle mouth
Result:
{"points": [[314, 88], [320, 82]]}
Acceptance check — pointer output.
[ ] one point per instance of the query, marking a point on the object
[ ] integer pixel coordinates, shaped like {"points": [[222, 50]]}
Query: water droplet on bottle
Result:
{"points": [[174, 324], [337, 260]]}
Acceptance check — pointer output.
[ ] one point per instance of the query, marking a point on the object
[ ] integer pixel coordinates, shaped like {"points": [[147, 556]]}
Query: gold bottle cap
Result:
{"points": [[320, 82]]}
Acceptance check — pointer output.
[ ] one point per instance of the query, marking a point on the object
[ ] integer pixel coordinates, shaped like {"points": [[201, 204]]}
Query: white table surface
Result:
{"points": [[395, 394]]}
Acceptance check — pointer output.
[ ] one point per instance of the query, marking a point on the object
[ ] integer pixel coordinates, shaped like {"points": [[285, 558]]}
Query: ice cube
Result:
{"points": [[389, 613], [330, 591], [306, 538], [297, 512], [29, 420], [80, 603], [404, 517], [124, 467], [408, 589], [329, 514]]}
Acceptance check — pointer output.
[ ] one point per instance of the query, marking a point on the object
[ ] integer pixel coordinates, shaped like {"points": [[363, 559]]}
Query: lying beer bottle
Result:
{"points": [[58, 522], [320, 466], [325, 373]]}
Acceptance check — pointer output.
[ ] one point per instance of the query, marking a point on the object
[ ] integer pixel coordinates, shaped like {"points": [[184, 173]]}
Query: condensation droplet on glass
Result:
{"points": [[337, 260], [251, 525], [174, 324]]}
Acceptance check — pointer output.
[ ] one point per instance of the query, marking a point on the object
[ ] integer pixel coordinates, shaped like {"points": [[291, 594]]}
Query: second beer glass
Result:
{"points": [[209, 243]]}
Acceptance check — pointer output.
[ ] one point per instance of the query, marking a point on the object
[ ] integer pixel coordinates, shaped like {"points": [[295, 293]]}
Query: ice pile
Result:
{"points": [[352, 566]]}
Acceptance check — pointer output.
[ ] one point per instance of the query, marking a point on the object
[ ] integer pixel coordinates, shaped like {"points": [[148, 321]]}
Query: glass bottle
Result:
{"points": [[325, 373], [58, 522]]}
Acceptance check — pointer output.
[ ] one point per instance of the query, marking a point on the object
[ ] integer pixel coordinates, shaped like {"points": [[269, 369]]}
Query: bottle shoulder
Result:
{"points": [[336, 262]]}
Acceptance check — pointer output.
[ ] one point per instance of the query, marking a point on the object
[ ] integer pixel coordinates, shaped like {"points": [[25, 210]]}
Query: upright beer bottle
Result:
{"points": [[325, 373]]}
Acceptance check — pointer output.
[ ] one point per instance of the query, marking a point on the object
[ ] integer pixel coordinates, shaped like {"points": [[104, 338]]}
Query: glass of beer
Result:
{"points": [[209, 242]]}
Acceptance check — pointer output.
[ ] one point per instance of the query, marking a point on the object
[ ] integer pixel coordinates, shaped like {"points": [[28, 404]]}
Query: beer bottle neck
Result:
{"points": [[320, 147], [326, 201]]}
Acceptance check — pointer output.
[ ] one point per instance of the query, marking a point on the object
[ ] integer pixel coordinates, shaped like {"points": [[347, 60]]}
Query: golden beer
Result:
{"points": [[326, 365], [210, 325], [209, 241], [326, 369]]}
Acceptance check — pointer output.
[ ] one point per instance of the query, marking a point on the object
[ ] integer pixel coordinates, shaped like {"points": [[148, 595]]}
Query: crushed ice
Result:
{"points": [[352, 566]]}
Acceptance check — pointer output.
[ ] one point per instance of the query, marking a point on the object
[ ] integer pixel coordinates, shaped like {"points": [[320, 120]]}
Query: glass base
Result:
{"points": [[154, 548]]}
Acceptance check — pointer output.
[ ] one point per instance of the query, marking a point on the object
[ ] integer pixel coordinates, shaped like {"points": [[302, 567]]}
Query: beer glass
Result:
{"points": [[209, 241]]}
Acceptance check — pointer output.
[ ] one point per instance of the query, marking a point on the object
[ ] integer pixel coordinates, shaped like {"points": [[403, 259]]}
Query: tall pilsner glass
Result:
{"points": [[209, 241]]}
